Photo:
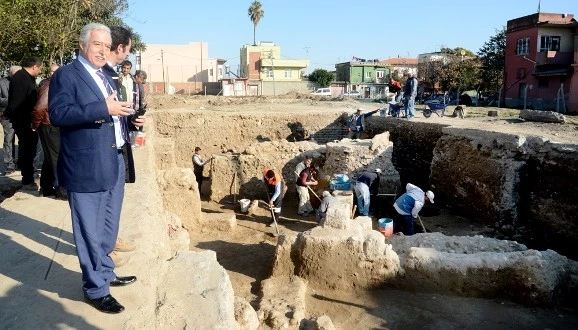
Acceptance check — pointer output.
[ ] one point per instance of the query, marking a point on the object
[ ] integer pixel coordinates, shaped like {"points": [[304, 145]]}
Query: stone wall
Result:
{"points": [[523, 187], [345, 157]]}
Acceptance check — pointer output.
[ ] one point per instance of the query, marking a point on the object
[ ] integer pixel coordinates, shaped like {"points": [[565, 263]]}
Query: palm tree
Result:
{"points": [[255, 14]]}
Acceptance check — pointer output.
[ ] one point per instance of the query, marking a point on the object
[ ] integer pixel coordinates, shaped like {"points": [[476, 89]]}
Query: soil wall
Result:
{"points": [[522, 187]]}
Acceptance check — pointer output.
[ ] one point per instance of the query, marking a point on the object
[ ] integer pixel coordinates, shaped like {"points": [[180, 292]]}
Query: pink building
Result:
{"points": [[541, 62]]}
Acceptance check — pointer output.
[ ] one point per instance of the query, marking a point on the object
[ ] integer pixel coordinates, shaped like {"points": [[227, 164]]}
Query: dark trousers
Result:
{"points": [[50, 140], [27, 144], [404, 224], [8, 144], [199, 177], [95, 222]]}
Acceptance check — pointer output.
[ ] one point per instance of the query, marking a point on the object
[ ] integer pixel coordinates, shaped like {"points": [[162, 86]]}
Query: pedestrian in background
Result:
{"points": [[50, 140], [8, 146], [410, 93], [22, 97]]}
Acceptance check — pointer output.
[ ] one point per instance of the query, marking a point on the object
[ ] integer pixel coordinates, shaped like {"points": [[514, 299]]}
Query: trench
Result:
{"points": [[521, 193], [424, 154]]}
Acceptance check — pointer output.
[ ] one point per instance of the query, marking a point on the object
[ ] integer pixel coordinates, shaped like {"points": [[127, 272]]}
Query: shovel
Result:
{"points": [[421, 223], [273, 216]]}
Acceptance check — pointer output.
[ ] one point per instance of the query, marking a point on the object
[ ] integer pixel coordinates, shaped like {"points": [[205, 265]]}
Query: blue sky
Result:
{"points": [[327, 32]]}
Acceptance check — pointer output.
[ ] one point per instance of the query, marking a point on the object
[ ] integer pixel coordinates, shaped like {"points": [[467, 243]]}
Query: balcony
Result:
{"points": [[553, 57]]}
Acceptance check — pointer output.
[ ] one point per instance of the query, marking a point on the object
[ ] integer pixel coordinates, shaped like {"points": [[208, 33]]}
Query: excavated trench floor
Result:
{"points": [[248, 252]]}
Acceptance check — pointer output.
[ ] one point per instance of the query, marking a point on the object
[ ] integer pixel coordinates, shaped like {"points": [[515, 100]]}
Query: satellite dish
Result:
{"points": [[463, 52]]}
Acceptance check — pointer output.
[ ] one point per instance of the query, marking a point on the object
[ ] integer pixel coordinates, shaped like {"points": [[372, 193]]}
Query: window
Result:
{"points": [[549, 43], [380, 74], [287, 73], [368, 74], [269, 73], [523, 47], [211, 72], [220, 72]]}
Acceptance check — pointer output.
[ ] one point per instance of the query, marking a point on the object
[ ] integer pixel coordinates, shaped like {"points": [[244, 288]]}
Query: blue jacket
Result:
{"points": [[88, 160], [411, 202]]}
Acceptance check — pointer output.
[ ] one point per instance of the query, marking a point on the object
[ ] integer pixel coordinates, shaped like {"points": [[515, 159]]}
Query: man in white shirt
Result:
{"points": [[126, 81], [408, 206]]}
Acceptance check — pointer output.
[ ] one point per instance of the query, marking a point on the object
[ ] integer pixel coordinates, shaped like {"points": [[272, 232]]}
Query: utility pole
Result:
{"points": [[163, 67], [306, 54], [273, 71]]}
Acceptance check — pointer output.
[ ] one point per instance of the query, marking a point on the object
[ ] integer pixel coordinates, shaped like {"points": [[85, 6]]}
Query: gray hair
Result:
{"points": [[87, 30], [326, 193], [13, 69]]}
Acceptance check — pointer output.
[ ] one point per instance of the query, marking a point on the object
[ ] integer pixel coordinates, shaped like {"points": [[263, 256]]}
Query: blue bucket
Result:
{"points": [[385, 226]]}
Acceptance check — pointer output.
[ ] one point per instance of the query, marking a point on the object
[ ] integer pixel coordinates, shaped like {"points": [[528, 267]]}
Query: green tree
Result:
{"points": [[49, 28], [322, 77], [455, 68], [492, 58], [256, 12]]}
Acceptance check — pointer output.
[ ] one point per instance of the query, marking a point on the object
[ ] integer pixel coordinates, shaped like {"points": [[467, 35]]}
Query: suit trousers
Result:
{"points": [[95, 222], [27, 144], [50, 140]]}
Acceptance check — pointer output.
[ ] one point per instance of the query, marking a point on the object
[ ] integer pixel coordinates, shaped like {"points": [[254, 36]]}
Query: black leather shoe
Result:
{"points": [[106, 304], [123, 280]]}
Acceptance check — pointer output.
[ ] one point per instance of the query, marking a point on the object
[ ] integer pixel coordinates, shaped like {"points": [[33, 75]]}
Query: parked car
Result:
{"points": [[322, 92], [354, 94]]}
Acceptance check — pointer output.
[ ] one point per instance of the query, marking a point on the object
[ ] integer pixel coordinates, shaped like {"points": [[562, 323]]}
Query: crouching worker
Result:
{"points": [[367, 184], [408, 206], [328, 202], [275, 190]]}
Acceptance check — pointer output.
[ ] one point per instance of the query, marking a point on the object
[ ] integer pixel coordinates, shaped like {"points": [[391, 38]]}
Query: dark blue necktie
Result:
{"points": [[109, 91]]}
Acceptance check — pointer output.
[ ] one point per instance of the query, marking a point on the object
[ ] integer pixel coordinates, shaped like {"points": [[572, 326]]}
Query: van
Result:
{"points": [[322, 92]]}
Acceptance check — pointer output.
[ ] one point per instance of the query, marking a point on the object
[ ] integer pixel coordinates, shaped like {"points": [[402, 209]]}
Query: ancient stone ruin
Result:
{"points": [[521, 187]]}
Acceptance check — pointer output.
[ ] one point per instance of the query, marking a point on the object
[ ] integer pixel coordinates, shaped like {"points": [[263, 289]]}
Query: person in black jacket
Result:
{"points": [[22, 98]]}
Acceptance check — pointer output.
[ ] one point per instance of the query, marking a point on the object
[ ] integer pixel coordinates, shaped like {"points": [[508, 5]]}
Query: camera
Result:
{"points": [[141, 111]]}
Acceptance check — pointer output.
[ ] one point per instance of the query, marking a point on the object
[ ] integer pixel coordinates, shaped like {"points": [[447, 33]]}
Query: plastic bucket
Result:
{"points": [[141, 139], [385, 226], [244, 205]]}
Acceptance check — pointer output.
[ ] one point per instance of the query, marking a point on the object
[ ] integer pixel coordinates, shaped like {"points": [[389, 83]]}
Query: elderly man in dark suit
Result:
{"points": [[83, 104]]}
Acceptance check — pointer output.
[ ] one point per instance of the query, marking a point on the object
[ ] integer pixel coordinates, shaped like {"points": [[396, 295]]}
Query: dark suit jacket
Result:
{"points": [[88, 151], [128, 159], [22, 96]]}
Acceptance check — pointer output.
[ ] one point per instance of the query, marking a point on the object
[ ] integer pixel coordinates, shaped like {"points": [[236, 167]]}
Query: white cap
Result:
{"points": [[377, 170], [430, 195], [326, 193]]}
